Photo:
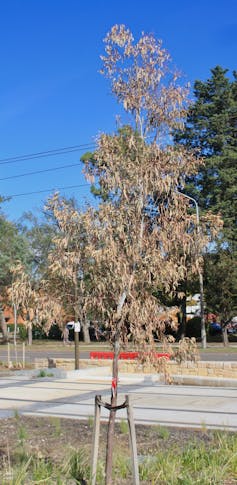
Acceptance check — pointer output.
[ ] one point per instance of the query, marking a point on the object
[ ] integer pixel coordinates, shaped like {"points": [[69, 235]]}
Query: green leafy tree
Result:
{"points": [[39, 233], [13, 247], [221, 287]]}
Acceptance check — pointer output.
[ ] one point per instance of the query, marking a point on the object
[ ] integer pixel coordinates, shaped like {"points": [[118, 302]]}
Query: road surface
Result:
{"points": [[63, 352]]}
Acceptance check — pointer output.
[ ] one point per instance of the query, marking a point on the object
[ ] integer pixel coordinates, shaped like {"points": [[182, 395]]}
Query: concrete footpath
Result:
{"points": [[71, 395], [103, 374]]}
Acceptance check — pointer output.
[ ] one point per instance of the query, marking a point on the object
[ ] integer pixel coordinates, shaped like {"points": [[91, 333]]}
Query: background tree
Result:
{"points": [[23, 296], [68, 277], [221, 285], [32, 301], [211, 130], [39, 233], [13, 247]]}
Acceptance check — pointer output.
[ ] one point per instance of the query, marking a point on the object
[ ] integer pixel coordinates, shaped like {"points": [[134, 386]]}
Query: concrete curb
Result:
{"points": [[204, 381], [103, 375]]}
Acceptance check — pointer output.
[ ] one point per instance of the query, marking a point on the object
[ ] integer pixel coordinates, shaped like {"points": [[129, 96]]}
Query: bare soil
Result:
{"points": [[52, 437]]}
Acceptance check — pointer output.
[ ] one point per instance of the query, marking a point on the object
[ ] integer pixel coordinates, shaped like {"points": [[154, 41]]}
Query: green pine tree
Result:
{"points": [[211, 130]]}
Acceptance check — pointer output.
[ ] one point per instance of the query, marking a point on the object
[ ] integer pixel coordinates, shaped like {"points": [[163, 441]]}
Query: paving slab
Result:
{"points": [[103, 374], [153, 402]]}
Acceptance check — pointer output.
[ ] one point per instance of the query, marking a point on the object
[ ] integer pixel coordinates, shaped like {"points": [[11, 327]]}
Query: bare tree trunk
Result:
{"points": [[29, 332], [15, 322], [85, 330], [3, 326], [112, 415], [225, 336], [110, 434], [183, 323]]}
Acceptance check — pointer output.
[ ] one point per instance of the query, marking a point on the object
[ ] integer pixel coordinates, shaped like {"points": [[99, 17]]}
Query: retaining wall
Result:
{"points": [[201, 368]]}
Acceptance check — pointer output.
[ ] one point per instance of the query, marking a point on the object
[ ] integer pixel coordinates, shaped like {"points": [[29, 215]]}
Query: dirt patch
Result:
{"points": [[51, 440], [52, 437]]}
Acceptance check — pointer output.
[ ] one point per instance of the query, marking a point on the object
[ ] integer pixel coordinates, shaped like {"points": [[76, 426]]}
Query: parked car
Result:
{"points": [[232, 326], [214, 328], [70, 325]]}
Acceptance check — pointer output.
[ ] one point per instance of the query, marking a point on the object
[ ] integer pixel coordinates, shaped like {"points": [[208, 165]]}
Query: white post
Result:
{"points": [[8, 354], [23, 355], [200, 272], [15, 322]]}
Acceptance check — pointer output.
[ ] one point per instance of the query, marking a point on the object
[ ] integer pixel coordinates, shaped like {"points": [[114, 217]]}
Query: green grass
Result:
{"points": [[22, 434], [43, 373], [57, 344], [16, 413], [39, 345], [209, 462], [162, 432], [220, 349], [56, 422], [91, 421], [123, 426], [77, 466]]}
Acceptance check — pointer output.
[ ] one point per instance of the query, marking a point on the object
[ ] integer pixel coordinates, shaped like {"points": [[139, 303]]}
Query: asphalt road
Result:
{"points": [[69, 353], [220, 356], [153, 403]]}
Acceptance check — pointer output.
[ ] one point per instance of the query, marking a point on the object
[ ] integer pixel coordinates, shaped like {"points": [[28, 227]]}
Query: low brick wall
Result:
{"points": [[205, 369], [201, 368]]}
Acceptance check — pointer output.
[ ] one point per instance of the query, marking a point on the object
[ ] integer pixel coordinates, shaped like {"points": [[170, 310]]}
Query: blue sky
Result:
{"points": [[51, 94]]}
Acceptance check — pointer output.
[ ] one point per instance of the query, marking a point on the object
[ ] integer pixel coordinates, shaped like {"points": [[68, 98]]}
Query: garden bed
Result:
{"points": [[54, 450]]}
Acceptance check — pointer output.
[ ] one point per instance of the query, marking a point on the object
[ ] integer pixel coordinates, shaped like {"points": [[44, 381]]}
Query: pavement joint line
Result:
{"points": [[188, 407]]}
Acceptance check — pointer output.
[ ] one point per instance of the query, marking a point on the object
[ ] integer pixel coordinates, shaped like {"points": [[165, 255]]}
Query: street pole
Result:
{"points": [[76, 315], [200, 273], [76, 342]]}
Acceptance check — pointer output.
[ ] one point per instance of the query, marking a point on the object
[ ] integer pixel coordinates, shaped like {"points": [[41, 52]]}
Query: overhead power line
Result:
{"points": [[40, 171], [47, 190], [48, 153]]}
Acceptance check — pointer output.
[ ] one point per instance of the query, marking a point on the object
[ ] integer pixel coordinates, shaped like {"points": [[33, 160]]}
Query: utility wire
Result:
{"points": [[48, 153], [40, 171], [46, 190]]}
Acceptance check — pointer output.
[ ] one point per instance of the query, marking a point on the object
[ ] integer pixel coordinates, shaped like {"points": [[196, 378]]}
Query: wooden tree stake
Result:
{"points": [[96, 435], [133, 443]]}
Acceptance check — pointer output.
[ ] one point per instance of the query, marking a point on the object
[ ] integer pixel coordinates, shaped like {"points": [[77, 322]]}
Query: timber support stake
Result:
{"points": [[132, 436]]}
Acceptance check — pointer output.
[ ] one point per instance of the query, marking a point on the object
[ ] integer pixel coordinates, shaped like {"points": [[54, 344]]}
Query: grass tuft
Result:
{"points": [[56, 423], [162, 432], [208, 458], [43, 373], [90, 421], [123, 426]]}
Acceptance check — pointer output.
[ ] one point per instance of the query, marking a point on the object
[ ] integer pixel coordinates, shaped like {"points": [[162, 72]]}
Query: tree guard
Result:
{"points": [[96, 432]]}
